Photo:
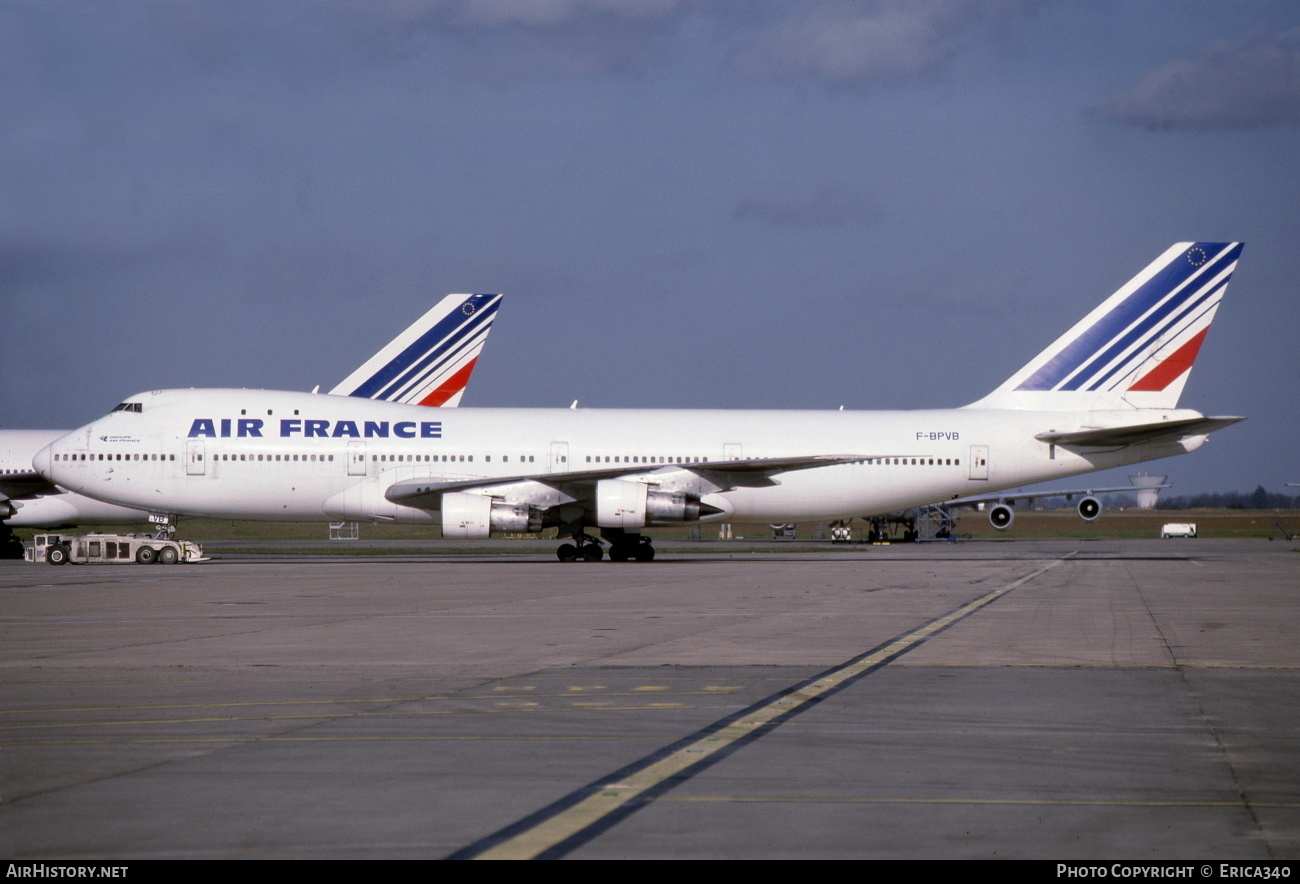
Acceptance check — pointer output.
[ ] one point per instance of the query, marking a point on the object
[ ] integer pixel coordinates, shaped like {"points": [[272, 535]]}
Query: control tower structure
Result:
{"points": [[1148, 489]]}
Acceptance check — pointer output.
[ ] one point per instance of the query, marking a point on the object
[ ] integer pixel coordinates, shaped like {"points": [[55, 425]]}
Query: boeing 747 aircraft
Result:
{"points": [[1103, 395], [429, 363]]}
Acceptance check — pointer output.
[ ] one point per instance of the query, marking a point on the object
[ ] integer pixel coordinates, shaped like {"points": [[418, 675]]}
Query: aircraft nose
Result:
{"points": [[42, 461]]}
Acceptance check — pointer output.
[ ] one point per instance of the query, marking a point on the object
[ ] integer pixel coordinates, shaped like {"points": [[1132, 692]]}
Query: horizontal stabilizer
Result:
{"points": [[1135, 434]]}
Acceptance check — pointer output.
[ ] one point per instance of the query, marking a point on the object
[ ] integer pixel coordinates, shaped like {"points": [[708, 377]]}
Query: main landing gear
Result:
{"points": [[635, 547], [587, 549], [623, 547]]}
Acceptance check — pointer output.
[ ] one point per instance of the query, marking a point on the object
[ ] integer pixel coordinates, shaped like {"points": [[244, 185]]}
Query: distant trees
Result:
{"points": [[1259, 499]]}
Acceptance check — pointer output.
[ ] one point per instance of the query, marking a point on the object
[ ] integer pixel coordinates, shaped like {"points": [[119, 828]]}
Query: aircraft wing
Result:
{"points": [[772, 465], [424, 493], [26, 486], [1011, 497], [1137, 433]]}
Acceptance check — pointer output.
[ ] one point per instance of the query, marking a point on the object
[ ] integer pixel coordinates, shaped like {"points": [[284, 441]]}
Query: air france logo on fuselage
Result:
{"points": [[290, 428]]}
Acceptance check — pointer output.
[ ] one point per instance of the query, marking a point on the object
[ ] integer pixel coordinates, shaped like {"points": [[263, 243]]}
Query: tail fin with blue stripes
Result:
{"points": [[431, 361], [1135, 350]]}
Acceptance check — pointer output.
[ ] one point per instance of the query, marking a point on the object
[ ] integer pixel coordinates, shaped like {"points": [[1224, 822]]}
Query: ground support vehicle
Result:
{"points": [[112, 549]]}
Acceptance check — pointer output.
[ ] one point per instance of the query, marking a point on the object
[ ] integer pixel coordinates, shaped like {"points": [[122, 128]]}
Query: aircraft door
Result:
{"points": [[194, 462], [82, 443], [979, 461], [731, 451], [356, 458], [559, 457]]}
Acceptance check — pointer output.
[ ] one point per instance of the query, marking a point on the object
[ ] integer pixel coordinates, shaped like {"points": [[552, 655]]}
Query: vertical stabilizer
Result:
{"points": [[431, 361], [1136, 350]]}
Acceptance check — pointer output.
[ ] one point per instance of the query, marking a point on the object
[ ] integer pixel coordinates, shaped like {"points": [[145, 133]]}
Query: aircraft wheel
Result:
{"points": [[168, 555], [146, 555], [618, 553], [57, 555], [567, 552], [592, 552], [645, 553]]}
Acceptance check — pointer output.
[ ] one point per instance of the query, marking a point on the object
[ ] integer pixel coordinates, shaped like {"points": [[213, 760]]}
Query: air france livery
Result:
{"points": [[1103, 395], [429, 364]]}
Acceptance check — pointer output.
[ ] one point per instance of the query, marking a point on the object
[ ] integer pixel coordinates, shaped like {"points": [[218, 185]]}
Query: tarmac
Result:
{"points": [[1086, 700]]}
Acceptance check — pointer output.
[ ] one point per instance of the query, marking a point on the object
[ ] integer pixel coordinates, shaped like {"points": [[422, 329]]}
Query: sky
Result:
{"points": [[687, 203]]}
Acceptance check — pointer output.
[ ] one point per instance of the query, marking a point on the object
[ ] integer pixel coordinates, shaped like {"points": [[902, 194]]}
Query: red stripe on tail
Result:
{"points": [[453, 385], [1172, 368]]}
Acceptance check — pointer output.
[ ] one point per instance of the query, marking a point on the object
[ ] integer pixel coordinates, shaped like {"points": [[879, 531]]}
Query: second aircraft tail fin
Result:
{"points": [[1136, 349], [430, 362]]}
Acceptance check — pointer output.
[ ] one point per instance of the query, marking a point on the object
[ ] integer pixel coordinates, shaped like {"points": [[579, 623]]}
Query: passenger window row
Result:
{"points": [[645, 459], [323, 458], [115, 456], [441, 458]]}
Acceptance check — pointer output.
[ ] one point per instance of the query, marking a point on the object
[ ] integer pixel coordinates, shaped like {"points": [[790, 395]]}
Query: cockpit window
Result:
{"points": [[136, 407]]}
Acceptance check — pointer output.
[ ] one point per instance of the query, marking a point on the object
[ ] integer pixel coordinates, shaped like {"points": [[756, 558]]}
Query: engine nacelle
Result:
{"points": [[1089, 508], [669, 507], [624, 504], [475, 516], [1002, 517]]}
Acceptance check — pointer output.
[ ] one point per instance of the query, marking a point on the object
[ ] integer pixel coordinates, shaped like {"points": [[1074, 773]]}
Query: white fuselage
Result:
{"points": [[253, 454]]}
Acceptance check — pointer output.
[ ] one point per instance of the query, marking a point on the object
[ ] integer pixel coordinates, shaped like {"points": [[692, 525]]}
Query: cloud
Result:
{"points": [[500, 39], [542, 13], [854, 43], [1254, 82], [866, 44], [826, 205]]}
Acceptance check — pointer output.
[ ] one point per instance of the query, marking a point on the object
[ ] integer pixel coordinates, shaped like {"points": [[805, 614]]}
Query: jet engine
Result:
{"points": [[468, 516], [624, 504], [1089, 508], [1002, 517]]}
